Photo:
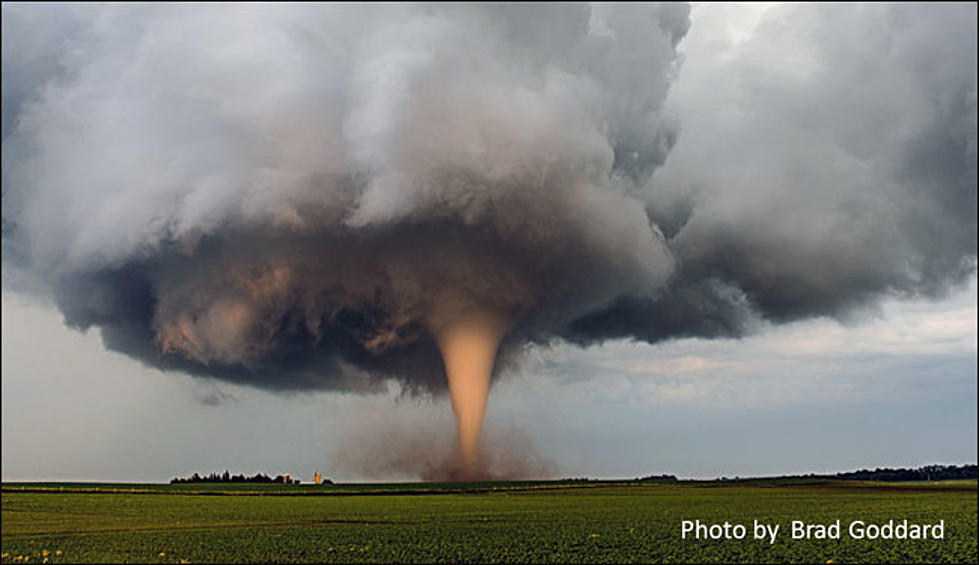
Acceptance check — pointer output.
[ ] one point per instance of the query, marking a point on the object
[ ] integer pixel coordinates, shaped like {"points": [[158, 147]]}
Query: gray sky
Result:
{"points": [[814, 183], [898, 389]]}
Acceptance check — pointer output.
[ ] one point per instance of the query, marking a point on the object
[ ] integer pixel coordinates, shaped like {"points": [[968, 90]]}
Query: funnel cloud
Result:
{"points": [[301, 197]]}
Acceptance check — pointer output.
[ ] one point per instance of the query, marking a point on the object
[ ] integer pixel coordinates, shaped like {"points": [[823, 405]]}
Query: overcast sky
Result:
{"points": [[813, 396], [892, 384]]}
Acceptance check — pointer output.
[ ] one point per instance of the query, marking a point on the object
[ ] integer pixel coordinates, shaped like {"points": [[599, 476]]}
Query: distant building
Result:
{"points": [[317, 478], [285, 479]]}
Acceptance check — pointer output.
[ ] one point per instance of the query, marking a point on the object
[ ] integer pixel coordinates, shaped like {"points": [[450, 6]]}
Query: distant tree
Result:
{"points": [[225, 477], [658, 479]]}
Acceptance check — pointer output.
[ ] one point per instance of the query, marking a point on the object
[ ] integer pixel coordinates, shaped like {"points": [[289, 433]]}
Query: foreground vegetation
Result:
{"points": [[489, 522]]}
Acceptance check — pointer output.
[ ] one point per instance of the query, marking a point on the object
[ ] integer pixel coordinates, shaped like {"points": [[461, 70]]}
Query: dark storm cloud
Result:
{"points": [[287, 196], [827, 161]]}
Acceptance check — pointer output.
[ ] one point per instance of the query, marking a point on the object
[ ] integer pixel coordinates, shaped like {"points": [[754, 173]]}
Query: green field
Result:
{"points": [[480, 522]]}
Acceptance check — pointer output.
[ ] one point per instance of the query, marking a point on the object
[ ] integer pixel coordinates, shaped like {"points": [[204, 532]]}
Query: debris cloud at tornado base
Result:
{"points": [[326, 197], [384, 449]]}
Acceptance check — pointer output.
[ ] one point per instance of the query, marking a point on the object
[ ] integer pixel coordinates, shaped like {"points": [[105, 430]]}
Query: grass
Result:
{"points": [[486, 522]]}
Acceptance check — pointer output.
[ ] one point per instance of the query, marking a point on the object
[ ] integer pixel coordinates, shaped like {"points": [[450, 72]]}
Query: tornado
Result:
{"points": [[468, 348], [469, 341]]}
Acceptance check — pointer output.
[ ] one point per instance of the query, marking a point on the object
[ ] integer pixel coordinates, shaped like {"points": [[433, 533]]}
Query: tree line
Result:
{"points": [[926, 473], [887, 474], [227, 477]]}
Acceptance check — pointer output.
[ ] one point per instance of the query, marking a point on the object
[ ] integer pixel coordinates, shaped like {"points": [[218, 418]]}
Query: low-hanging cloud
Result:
{"points": [[290, 196]]}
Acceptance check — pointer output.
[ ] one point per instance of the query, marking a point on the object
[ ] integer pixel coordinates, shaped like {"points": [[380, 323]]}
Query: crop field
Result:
{"points": [[477, 522]]}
